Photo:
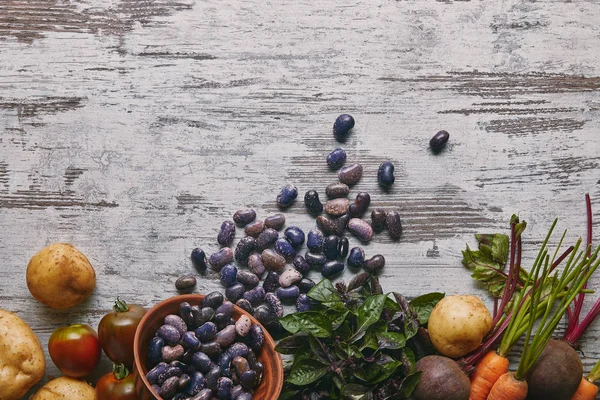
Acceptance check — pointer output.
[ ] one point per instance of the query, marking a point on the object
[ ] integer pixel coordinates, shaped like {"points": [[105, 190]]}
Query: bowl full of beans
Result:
{"points": [[203, 347]]}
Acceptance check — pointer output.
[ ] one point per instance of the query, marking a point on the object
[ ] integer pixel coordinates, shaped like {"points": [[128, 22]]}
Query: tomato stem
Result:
{"points": [[120, 371], [120, 306]]}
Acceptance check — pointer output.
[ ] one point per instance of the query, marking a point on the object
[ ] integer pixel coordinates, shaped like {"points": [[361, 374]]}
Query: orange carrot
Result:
{"points": [[507, 387], [489, 369], [586, 391]]}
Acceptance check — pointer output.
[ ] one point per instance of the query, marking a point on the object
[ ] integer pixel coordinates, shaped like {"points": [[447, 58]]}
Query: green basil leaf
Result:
{"points": [[306, 372], [288, 394], [317, 350], [390, 340], [423, 305], [385, 372], [369, 313], [313, 322], [354, 389], [321, 291], [370, 340], [291, 344], [391, 305], [408, 385]]}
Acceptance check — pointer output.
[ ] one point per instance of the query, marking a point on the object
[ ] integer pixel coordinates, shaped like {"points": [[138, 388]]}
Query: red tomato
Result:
{"points": [[116, 385], [117, 331], [75, 350]]}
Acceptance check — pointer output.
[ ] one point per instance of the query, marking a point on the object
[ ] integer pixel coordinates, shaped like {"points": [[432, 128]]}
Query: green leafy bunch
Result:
{"points": [[355, 342]]}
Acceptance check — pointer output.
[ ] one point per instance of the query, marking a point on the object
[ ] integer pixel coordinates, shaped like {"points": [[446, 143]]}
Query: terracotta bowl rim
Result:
{"points": [[140, 367]]}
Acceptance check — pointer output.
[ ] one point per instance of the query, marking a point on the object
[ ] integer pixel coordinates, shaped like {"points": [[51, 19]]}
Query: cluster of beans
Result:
{"points": [[202, 353]]}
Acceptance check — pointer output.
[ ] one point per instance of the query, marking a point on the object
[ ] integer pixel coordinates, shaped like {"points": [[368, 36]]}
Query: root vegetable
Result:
{"points": [[458, 324], [441, 379]]}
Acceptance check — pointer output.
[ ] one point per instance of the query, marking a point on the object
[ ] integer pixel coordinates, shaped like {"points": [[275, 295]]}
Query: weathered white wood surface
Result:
{"points": [[132, 128]]}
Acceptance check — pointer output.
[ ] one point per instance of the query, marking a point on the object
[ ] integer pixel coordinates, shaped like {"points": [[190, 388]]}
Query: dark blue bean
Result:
{"points": [[155, 350], [257, 337], [196, 384], [288, 294], [249, 379], [343, 246], [212, 377], [244, 248], [313, 203], [226, 234], [169, 333], [439, 140], [226, 336], [305, 285], [342, 125], [314, 240], [275, 221], [374, 264], [315, 260], [207, 331], [199, 259], [295, 235], [185, 312], [201, 362], [187, 357], [285, 248], [264, 315], [248, 278], [385, 174], [266, 238], [184, 382], [172, 353], [333, 226], [271, 282], [301, 265], [224, 386], [274, 303], [221, 258], [213, 300], [330, 247], [337, 190], [360, 205], [378, 217], [228, 275], [224, 362], [190, 341], [169, 372], [222, 320], [235, 292], [286, 196], [244, 217], [336, 158], [356, 257], [254, 228], [154, 374], [169, 388], [255, 264], [206, 314], [245, 305], [204, 394], [394, 224], [177, 322], [225, 308], [332, 268], [303, 303], [238, 349], [255, 295], [211, 349]]}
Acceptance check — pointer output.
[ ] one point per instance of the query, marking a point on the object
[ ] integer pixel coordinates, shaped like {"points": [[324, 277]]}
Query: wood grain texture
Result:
{"points": [[132, 129]]}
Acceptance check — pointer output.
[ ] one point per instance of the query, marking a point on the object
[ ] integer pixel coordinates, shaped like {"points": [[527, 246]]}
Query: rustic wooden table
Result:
{"points": [[133, 128]]}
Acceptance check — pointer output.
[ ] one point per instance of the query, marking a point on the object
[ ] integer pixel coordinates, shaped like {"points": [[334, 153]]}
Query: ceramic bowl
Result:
{"points": [[272, 381]]}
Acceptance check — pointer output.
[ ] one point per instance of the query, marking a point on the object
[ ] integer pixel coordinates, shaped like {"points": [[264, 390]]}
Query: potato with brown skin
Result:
{"points": [[60, 276], [458, 324], [556, 374], [22, 361], [65, 388], [441, 379]]}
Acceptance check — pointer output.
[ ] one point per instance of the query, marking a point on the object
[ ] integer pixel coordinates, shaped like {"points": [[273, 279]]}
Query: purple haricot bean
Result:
{"points": [[255, 295], [438, 141], [221, 258], [247, 278], [207, 331], [185, 284], [342, 126], [222, 320], [154, 374], [177, 322], [236, 391], [394, 224], [288, 294], [190, 341], [330, 247], [172, 353], [244, 217], [238, 349], [169, 388], [228, 275], [196, 384], [275, 221], [378, 217], [266, 238], [156, 388], [342, 248], [240, 364], [226, 336], [235, 292], [170, 334], [337, 190], [350, 174], [155, 350], [206, 314], [169, 372], [212, 377], [204, 394], [337, 207], [286, 196], [255, 264], [289, 277], [305, 285], [184, 381], [332, 268], [333, 226], [315, 260], [312, 202], [224, 362], [199, 259], [314, 240], [301, 265], [385, 174], [249, 379], [225, 308], [271, 282], [211, 349], [254, 228], [374, 264], [303, 303], [356, 257], [257, 337], [336, 158], [213, 300], [224, 386], [245, 305], [244, 248], [272, 260], [201, 362], [360, 205], [285, 248], [295, 235], [226, 234], [361, 229], [185, 312], [274, 303]]}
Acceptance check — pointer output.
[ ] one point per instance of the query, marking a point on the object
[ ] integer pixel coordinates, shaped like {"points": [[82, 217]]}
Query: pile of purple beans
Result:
{"points": [[203, 353]]}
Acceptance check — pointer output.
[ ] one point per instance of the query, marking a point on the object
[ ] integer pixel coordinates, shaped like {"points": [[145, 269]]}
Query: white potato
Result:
{"points": [[65, 388]]}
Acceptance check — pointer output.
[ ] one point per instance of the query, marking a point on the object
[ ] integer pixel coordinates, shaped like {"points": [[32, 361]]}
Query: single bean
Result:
{"points": [[204, 394], [185, 283], [236, 391], [315, 260], [266, 238], [172, 353], [228, 275], [184, 382], [313, 203], [332, 268], [170, 334], [285, 248], [295, 236], [356, 257], [301, 265], [288, 294], [213, 300], [225, 308], [206, 314], [378, 217], [244, 248], [265, 316], [361, 229], [439, 140], [255, 295], [274, 303], [374, 264], [337, 190], [221, 258], [247, 278], [244, 217], [305, 285], [199, 259], [302, 303], [169, 372], [222, 320], [385, 174], [235, 292], [330, 247], [196, 384], [342, 248], [207, 331], [271, 282], [169, 388], [238, 349], [289, 277], [350, 174], [286, 196], [240, 364], [255, 264], [360, 205], [249, 379], [337, 207], [333, 226], [257, 337], [224, 386], [314, 240], [202, 362], [342, 126], [226, 233], [211, 349], [242, 325], [212, 377], [226, 336], [254, 228], [336, 158], [224, 362], [245, 305], [177, 322], [394, 224], [154, 373], [273, 261], [244, 396], [190, 341], [275, 221], [155, 350]]}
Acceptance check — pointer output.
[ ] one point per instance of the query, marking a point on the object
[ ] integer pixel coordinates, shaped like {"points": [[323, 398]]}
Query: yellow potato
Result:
{"points": [[65, 388], [60, 276], [22, 361], [457, 325]]}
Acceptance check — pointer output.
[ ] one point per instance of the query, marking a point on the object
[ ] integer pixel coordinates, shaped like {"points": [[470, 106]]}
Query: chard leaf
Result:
{"points": [[314, 322], [423, 305], [489, 261], [306, 372]]}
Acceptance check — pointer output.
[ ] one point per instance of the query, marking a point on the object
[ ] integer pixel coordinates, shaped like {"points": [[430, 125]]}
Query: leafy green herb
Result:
{"points": [[489, 261], [423, 305]]}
